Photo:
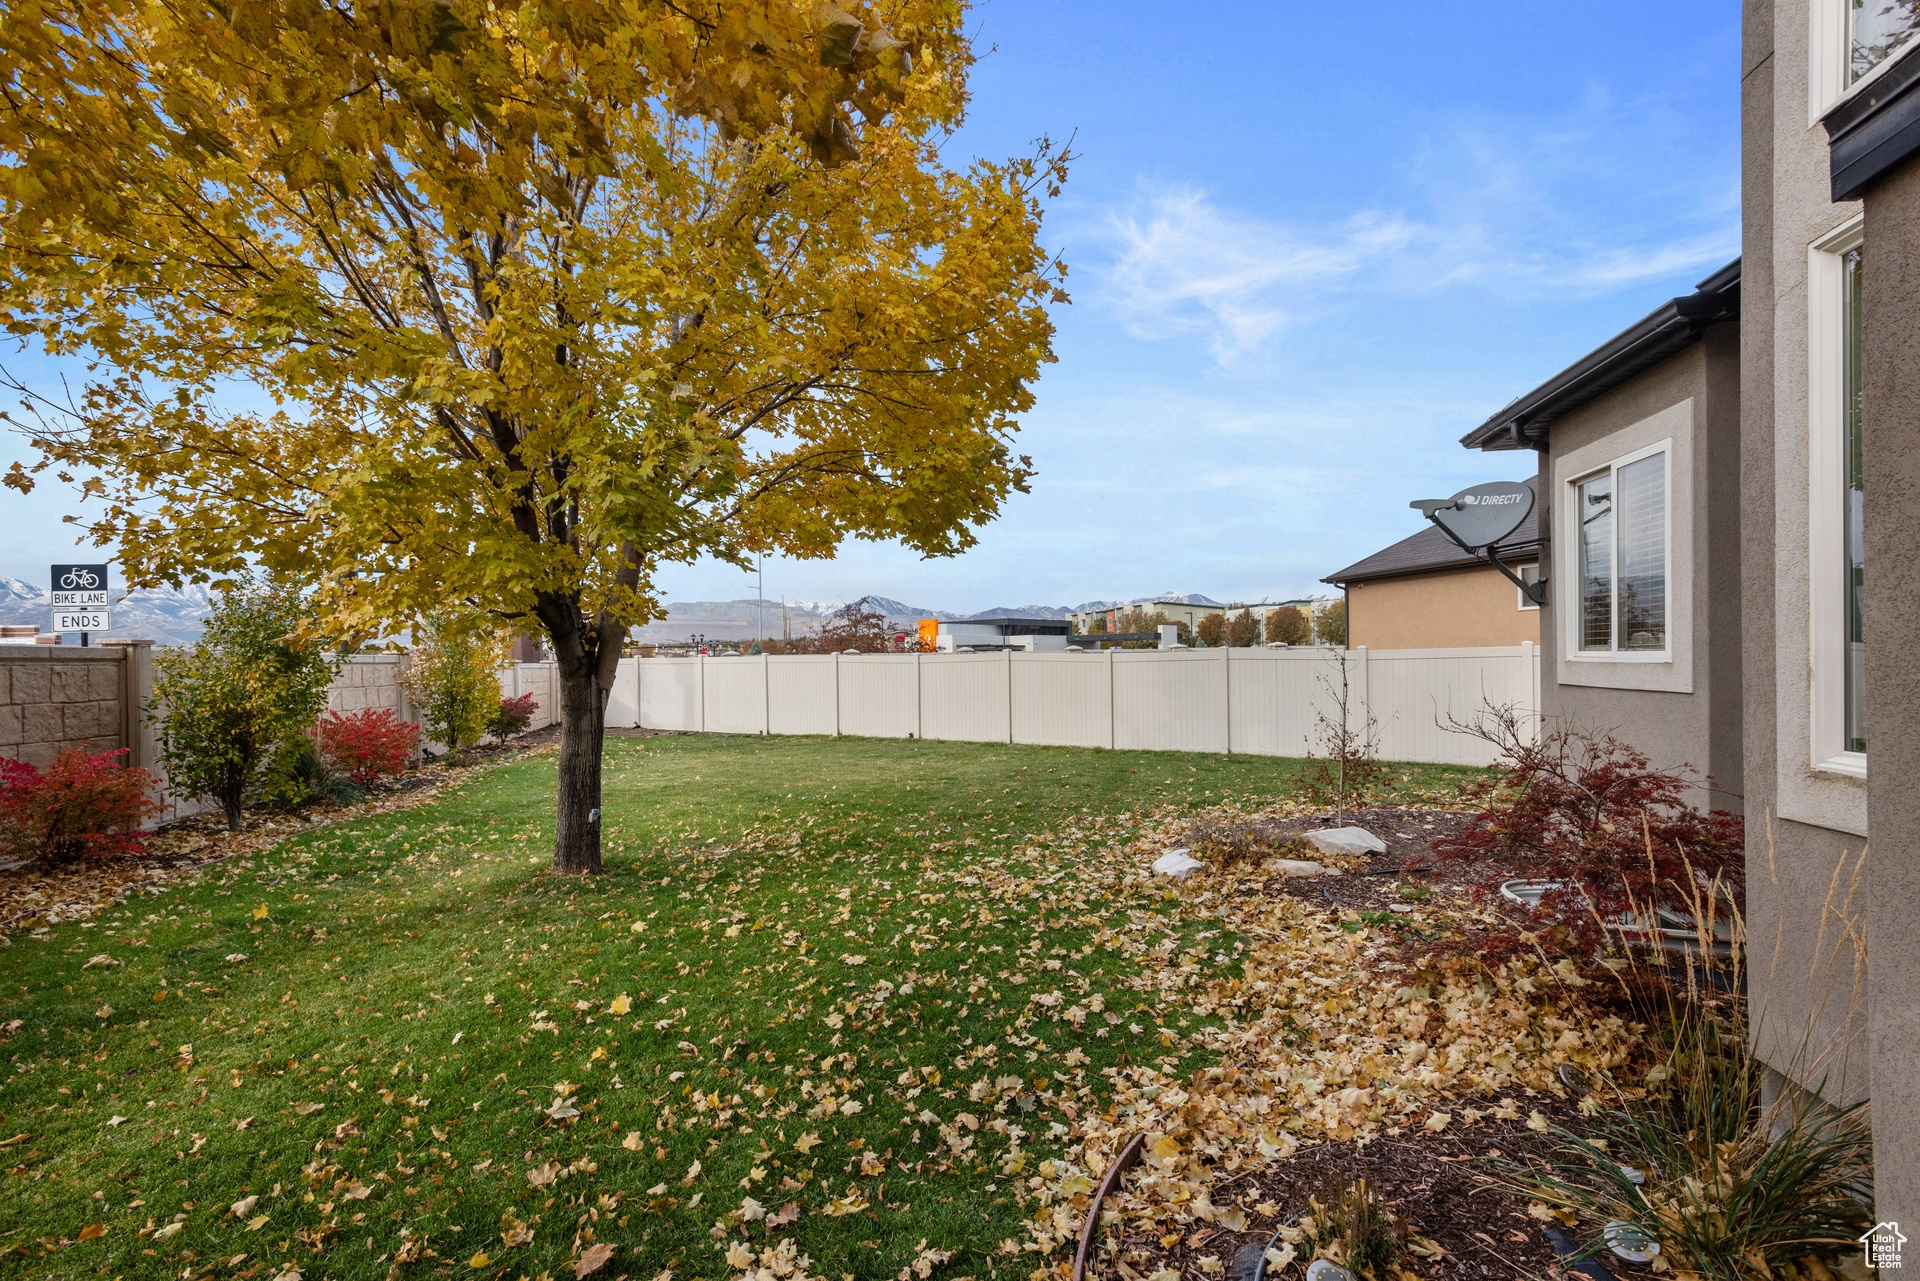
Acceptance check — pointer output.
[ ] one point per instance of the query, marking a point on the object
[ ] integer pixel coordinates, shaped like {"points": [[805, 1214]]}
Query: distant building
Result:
{"points": [[1423, 592], [1001, 633]]}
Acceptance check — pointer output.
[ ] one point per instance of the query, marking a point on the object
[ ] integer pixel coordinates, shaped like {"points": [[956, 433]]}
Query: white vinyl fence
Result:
{"points": [[1255, 701]]}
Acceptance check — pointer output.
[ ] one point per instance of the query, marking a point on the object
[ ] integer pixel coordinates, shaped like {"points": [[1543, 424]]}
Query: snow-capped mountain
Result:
{"points": [[165, 615]]}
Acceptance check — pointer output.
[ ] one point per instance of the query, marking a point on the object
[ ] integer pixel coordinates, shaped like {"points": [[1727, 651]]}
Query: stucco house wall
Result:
{"points": [[1442, 609], [1684, 711]]}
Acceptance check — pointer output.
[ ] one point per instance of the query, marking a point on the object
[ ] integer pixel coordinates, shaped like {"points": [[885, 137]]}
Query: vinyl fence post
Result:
{"points": [[836, 693], [1113, 708], [1009, 674], [700, 677], [766, 694], [1226, 681], [919, 697], [1365, 683]]}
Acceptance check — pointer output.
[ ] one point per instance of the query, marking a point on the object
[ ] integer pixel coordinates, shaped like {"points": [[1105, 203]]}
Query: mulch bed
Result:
{"points": [[1435, 1182]]}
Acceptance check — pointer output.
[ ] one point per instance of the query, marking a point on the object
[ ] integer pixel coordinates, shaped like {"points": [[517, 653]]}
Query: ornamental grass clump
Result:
{"points": [[1731, 1190]]}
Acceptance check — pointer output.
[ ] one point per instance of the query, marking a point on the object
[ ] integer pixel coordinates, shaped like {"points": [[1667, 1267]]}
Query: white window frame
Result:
{"points": [[1826, 501], [1829, 54], [1521, 570], [1572, 592]]}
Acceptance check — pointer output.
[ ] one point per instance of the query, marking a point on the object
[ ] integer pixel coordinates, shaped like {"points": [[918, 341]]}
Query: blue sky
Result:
{"points": [[1305, 255]]}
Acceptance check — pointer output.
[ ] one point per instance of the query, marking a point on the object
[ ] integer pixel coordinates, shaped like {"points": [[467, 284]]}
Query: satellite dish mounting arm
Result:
{"points": [[1535, 591]]}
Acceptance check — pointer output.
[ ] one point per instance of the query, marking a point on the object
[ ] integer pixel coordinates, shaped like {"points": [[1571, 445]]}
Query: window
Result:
{"points": [[1853, 41], [1853, 497], [1620, 540], [1836, 561], [1528, 574], [1876, 30]]}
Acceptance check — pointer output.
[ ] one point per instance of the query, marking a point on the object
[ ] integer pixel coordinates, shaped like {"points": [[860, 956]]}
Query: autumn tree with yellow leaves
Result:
{"points": [[447, 305]]}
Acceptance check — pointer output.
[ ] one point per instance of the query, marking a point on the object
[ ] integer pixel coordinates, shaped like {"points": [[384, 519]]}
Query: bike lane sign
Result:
{"points": [[79, 587]]}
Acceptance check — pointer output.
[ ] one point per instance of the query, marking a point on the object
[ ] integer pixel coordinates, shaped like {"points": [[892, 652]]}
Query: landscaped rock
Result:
{"points": [[1356, 842], [1301, 867], [1178, 864]]}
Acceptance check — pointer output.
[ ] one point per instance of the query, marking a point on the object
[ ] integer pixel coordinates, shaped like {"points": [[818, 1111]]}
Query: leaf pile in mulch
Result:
{"points": [[1338, 1031]]}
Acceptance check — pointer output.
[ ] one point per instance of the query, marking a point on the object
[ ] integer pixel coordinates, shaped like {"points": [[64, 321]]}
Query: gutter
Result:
{"points": [[1670, 328]]}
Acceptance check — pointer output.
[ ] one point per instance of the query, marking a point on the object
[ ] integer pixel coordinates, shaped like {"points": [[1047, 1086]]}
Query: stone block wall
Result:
{"points": [[372, 680], [57, 697]]}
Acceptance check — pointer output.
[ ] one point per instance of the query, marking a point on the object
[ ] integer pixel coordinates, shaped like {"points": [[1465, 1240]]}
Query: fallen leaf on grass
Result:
{"points": [[244, 1206], [116, 1121], [593, 1259], [102, 961], [633, 1142], [357, 1191], [621, 1005], [257, 1222], [479, 1260], [789, 1213], [807, 1142], [307, 1109], [541, 1175], [169, 1231], [93, 1231]]}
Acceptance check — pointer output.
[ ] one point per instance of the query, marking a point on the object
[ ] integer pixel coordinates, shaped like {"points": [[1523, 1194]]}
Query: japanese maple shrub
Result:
{"points": [[514, 716], [1614, 836], [369, 744], [81, 806]]}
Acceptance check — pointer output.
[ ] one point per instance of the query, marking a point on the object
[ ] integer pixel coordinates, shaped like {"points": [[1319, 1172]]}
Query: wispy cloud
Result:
{"points": [[1499, 206], [1182, 264]]}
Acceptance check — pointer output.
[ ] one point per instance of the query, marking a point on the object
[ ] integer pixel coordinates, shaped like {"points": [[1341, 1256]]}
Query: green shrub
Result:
{"points": [[230, 703], [455, 680]]}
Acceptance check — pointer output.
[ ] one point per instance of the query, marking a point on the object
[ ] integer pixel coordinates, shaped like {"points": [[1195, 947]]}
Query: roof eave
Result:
{"points": [[1664, 332]]}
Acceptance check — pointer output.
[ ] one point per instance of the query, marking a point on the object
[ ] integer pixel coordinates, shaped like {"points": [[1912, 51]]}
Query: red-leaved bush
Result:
{"points": [[80, 806], [368, 744], [514, 716], [1590, 814]]}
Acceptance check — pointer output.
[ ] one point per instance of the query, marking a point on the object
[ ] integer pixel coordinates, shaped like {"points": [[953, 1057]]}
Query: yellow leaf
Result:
{"points": [[1438, 1121], [633, 1142], [1537, 1120], [260, 912], [480, 1259], [738, 1256], [621, 1005], [807, 1142]]}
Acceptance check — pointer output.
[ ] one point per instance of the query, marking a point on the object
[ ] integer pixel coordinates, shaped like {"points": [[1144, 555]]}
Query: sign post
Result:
{"points": [[80, 599]]}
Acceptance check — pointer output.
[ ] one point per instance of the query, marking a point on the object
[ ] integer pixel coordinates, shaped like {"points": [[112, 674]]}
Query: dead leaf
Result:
{"points": [[93, 1231], [307, 1109], [593, 1259], [633, 1142], [541, 1175], [244, 1206]]}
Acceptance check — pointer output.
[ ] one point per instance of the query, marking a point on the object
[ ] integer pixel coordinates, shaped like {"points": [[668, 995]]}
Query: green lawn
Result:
{"points": [[818, 973]]}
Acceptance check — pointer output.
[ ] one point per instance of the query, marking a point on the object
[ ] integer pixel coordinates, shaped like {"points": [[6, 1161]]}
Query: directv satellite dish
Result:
{"points": [[1479, 517], [1482, 515]]}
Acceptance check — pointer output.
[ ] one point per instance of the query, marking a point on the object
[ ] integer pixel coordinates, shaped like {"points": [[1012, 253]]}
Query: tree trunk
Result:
{"points": [[233, 795], [583, 719]]}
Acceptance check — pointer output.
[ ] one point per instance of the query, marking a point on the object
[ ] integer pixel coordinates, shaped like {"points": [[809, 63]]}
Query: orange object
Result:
{"points": [[929, 634]]}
